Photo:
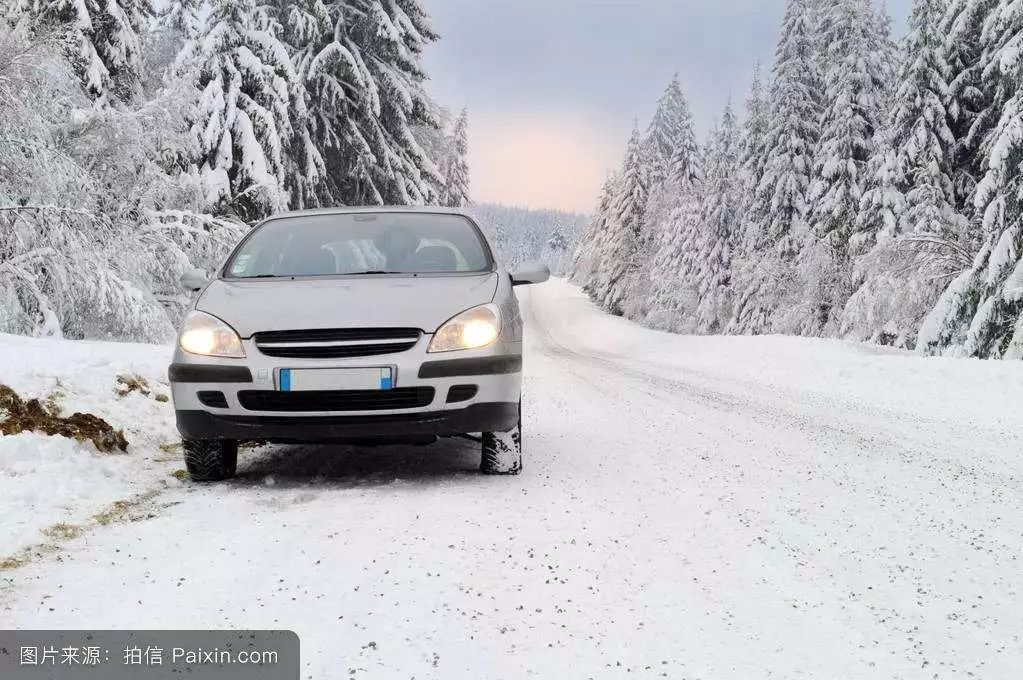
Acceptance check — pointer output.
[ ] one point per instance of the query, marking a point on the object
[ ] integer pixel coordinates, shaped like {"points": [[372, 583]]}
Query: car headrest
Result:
{"points": [[318, 262], [435, 258]]}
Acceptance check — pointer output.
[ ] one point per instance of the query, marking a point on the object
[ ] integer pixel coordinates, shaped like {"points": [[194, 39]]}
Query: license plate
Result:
{"points": [[332, 379]]}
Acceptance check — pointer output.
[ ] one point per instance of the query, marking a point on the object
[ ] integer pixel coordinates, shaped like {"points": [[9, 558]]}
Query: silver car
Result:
{"points": [[367, 325]]}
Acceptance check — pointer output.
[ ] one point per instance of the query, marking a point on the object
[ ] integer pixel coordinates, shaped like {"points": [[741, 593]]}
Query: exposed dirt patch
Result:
{"points": [[32, 415], [63, 531], [126, 384]]}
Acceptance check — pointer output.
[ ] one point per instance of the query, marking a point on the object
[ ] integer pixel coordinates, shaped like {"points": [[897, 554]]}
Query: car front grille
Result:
{"points": [[336, 343], [340, 401]]}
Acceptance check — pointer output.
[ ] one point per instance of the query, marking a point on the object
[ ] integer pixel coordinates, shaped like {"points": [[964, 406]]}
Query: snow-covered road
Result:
{"points": [[691, 508]]}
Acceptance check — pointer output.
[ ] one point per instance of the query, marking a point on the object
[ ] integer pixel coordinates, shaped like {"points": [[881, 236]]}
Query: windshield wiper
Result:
{"points": [[373, 271]]}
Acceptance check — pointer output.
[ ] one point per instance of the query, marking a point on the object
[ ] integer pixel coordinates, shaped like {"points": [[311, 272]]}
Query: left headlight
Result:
{"points": [[208, 336], [476, 328]]}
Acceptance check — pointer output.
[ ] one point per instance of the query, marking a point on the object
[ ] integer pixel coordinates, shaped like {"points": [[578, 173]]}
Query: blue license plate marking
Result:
{"points": [[285, 380]]}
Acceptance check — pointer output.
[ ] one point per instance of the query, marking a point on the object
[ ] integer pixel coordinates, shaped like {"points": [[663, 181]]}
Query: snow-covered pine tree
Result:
{"points": [[673, 299], [672, 160], [750, 240], [882, 203], [972, 111], [587, 262], [980, 314], [884, 48], [908, 213], [297, 25], [91, 248], [855, 96], [182, 16], [719, 219], [795, 108], [454, 165], [924, 141], [625, 230], [781, 201], [363, 71], [853, 115], [248, 94], [670, 141], [103, 39], [751, 161]]}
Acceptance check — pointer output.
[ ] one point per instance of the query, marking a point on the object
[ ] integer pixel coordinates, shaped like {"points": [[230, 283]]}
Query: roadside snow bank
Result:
{"points": [[44, 480]]}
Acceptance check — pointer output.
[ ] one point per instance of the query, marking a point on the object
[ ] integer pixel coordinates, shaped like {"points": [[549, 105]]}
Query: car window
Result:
{"points": [[361, 243]]}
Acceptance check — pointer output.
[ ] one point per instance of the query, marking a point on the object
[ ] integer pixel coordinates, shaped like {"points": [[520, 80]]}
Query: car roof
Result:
{"points": [[375, 209]]}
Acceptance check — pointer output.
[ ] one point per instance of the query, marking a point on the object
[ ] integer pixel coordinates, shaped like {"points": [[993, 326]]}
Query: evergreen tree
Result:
{"points": [[454, 165], [924, 141], [670, 141], [243, 121], [586, 263], [796, 105], [719, 222], [182, 16], [908, 223], [852, 118], [855, 96], [970, 99], [673, 299], [624, 230], [751, 161], [882, 203], [781, 201], [305, 171], [981, 312], [361, 64], [103, 39]]}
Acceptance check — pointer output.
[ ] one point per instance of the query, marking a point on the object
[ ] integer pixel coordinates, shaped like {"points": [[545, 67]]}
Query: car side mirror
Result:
{"points": [[531, 272], [194, 280]]}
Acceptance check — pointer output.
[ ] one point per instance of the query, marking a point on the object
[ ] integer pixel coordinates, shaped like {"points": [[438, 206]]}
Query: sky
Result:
{"points": [[553, 87]]}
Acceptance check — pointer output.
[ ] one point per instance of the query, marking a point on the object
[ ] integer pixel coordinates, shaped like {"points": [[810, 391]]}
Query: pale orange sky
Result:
{"points": [[538, 162], [553, 87]]}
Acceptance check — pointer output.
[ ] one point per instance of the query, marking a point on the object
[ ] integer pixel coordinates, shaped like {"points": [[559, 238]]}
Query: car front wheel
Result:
{"points": [[210, 460], [502, 451]]}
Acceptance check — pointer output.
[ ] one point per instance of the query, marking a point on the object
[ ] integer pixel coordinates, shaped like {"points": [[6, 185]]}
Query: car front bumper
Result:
{"points": [[495, 374], [493, 417]]}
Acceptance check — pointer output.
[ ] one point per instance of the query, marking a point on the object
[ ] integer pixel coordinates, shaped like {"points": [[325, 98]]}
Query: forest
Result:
{"points": [[868, 188], [871, 190], [137, 143]]}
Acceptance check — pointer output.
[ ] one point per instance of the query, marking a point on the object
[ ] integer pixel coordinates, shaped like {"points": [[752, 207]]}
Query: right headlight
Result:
{"points": [[476, 328], [208, 336]]}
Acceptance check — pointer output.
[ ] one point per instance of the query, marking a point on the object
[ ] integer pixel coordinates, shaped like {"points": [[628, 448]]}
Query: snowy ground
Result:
{"points": [[691, 508], [52, 485]]}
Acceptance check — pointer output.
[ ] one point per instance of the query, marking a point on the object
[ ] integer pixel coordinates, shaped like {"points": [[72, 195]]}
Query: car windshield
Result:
{"points": [[361, 243]]}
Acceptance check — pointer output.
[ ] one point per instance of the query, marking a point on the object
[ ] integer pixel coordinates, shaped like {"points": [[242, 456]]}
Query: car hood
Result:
{"points": [[299, 304]]}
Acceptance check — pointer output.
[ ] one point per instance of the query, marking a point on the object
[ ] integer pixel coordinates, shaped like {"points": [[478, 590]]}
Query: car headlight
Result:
{"points": [[472, 329], [208, 336]]}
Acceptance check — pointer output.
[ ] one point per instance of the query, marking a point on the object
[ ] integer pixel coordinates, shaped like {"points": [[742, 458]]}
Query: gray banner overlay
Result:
{"points": [[148, 655]]}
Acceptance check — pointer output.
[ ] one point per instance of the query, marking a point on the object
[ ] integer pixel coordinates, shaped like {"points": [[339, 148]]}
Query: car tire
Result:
{"points": [[502, 451], [209, 460]]}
